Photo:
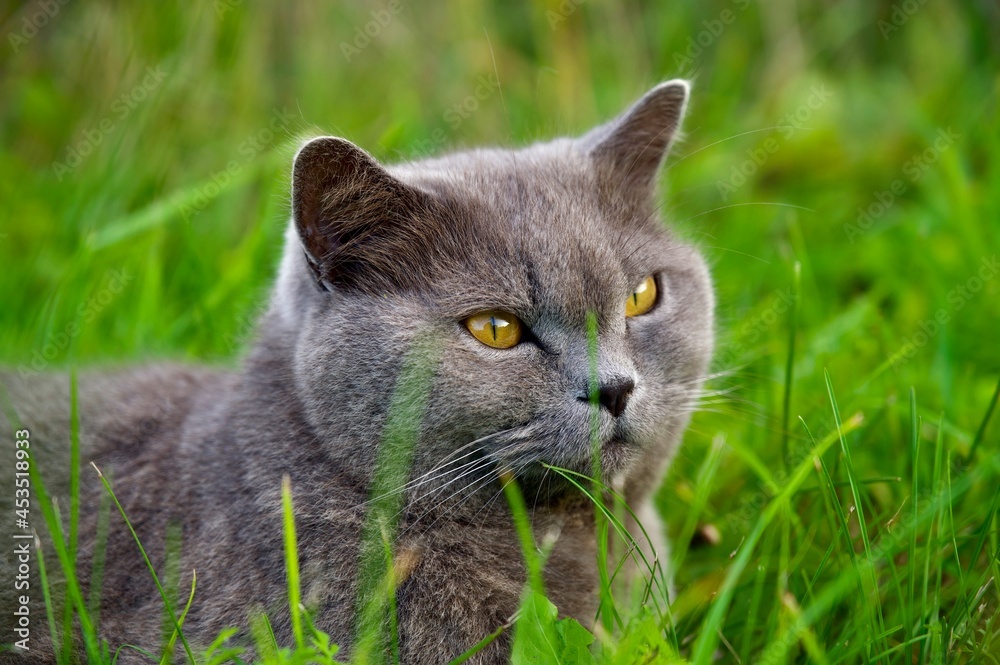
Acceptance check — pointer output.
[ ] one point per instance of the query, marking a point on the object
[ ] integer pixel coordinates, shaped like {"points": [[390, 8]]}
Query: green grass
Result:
{"points": [[835, 500]]}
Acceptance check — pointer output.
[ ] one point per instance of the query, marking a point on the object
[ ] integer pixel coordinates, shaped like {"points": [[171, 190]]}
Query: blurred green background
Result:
{"points": [[144, 191]]}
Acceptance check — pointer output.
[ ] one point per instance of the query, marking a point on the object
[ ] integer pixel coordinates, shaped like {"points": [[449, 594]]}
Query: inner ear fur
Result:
{"points": [[630, 149], [347, 208]]}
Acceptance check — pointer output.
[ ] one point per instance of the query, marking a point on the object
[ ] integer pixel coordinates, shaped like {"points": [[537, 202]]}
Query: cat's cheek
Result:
{"points": [[655, 341], [491, 389]]}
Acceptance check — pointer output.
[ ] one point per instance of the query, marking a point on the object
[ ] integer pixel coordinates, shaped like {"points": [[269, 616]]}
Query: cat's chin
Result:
{"points": [[617, 458]]}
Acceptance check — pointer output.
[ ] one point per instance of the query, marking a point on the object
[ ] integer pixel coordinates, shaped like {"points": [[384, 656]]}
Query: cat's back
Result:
{"points": [[121, 413]]}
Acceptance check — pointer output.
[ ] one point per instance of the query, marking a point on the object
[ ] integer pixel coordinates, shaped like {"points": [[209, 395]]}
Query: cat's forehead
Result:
{"points": [[534, 228], [549, 175], [543, 197]]}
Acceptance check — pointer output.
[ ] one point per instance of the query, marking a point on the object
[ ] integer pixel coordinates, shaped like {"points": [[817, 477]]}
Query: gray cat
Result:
{"points": [[488, 262]]}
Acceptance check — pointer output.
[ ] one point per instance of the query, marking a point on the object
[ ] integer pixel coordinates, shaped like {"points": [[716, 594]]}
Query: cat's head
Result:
{"points": [[530, 276]]}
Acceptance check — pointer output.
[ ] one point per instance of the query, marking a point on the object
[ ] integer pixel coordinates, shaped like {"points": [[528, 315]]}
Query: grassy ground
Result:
{"points": [[840, 171]]}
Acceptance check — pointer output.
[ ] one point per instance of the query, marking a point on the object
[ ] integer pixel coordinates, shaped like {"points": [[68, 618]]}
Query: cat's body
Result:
{"points": [[380, 265]]}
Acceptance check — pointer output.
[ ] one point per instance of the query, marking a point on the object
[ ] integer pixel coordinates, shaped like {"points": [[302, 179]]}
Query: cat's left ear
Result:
{"points": [[355, 220], [630, 149]]}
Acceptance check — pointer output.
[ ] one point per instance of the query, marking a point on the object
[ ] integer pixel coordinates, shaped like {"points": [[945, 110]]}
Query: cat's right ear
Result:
{"points": [[629, 150], [345, 204]]}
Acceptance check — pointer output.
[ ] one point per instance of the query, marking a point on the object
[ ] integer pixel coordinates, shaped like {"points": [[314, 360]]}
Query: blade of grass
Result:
{"points": [[706, 643], [47, 595], [69, 568], [914, 623], [633, 548], [757, 595], [704, 484], [984, 531], [831, 505], [522, 525], [576, 479], [170, 207], [392, 468], [264, 638], [482, 644], [951, 524], [786, 400], [169, 649], [131, 647], [149, 566], [74, 502], [217, 654], [291, 561], [982, 425], [390, 592], [846, 531], [782, 595], [858, 504], [943, 485], [97, 560], [607, 611], [171, 582], [806, 635], [978, 654], [930, 546]]}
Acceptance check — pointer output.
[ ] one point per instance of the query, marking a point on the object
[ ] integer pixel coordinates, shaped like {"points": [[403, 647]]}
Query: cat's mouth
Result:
{"points": [[617, 456], [561, 455]]}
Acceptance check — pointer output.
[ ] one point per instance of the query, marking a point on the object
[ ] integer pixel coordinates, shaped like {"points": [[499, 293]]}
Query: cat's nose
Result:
{"points": [[613, 394]]}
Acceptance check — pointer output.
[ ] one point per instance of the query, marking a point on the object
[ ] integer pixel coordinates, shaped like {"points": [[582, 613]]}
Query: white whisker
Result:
{"points": [[442, 464]]}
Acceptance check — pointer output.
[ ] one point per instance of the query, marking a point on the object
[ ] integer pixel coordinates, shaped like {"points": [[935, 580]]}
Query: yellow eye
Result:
{"points": [[495, 328], [642, 299]]}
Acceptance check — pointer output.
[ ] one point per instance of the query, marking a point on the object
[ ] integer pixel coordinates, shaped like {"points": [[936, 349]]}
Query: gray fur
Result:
{"points": [[377, 260]]}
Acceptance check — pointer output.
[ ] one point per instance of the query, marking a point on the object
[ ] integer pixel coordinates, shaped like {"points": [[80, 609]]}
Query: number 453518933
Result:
{"points": [[22, 480]]}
